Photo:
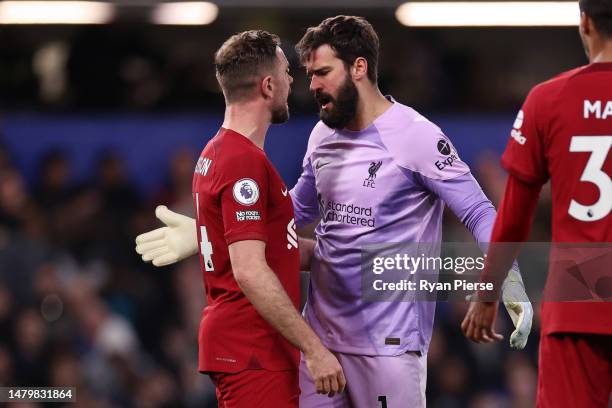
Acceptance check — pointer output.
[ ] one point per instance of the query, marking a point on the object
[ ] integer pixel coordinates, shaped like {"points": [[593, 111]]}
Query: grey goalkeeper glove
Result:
{"points": [[519, 308], [167, 245]]}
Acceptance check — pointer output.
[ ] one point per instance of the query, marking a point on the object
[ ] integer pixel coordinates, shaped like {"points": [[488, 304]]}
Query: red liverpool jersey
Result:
{"points": [[238, 196], [564, 132]]}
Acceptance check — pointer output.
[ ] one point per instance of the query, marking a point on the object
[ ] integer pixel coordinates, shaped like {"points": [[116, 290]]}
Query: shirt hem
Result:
{"points": [[245, 236]]}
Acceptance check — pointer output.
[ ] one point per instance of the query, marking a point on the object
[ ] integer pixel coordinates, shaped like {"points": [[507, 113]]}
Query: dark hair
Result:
{"points": [[350, 37], [241, 60], [600, 12]]}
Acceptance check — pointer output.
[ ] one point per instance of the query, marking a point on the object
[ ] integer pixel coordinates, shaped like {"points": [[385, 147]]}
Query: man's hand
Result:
{"points": [[325, 371], [479, 321], [480, 317], [174, 242], [519, 308]]}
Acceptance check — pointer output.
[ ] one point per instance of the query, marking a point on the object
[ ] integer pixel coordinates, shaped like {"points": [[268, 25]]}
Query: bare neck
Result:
{"points": [[603, 52], [250, 119], [370, 106]]}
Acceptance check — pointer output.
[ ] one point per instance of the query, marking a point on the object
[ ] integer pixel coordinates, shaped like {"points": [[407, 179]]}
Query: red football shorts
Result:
{"points": [[257, 388], [575, 370]]}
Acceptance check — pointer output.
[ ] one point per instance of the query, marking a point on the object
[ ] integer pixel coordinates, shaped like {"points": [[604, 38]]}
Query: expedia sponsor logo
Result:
{"points": [[442, 164], [248, 216], [444, 147], [518, 136], [347, 213], [516, 133]]}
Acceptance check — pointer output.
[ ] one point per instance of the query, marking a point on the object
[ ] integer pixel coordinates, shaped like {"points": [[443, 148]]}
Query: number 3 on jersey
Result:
{"points": [[599, 147], [206, 248]]}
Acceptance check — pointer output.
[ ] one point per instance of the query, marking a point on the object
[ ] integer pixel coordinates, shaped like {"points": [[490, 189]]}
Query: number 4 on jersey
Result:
{"points": [[206, 250], [205, 245], [599, 147]]}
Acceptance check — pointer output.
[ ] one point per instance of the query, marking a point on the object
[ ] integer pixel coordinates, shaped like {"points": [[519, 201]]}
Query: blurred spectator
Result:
{"points": [[176, 193], [7, 374], [31, 347], [13, 198], [521, 378], [54, 187]]}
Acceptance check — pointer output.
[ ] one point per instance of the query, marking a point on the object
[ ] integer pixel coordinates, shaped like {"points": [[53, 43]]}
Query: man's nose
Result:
{"points": [[315, 84]]}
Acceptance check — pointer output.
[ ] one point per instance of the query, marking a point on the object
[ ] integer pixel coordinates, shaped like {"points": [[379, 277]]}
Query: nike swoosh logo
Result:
{"points": [[284, 192], [320, 164]]}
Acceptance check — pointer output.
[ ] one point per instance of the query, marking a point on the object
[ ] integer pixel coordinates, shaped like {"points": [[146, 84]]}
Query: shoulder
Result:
{"points": [[403, 125], [419, 145], [238, 159], [544, 98], [567, 75], [233, 149], [553, 86], [319, 132]]}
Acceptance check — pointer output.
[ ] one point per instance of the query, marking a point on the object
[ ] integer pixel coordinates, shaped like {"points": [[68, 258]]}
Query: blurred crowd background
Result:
{"points": [[77, 305]]}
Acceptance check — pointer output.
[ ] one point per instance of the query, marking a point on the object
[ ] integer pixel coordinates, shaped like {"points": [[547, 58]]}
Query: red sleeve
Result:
{"points": [[525, 157], [244, 199], [512, 227]]}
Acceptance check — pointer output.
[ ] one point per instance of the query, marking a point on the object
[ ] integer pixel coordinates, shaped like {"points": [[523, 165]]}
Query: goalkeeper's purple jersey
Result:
{"points": [[386, 183]]}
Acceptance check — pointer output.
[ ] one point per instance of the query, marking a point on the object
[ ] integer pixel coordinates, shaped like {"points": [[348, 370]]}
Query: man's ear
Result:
{"points": [[359, 69], [586, 24], [267, 87]]}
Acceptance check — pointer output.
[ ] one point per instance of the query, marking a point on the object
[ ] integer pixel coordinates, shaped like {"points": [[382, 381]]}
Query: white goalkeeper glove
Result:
{"points": [[167, 245], [519, 308]]}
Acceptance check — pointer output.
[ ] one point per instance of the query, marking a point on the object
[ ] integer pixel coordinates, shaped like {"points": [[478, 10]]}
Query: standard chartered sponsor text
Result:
{"points": [[349, 214]]}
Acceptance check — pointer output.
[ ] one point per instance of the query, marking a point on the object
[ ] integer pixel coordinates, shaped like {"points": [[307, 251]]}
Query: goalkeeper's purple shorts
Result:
{"points": [[372, 381]]}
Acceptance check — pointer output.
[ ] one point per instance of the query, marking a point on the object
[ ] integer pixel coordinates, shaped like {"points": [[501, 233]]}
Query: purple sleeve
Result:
{"points": [[304, 197], [468, 202]]}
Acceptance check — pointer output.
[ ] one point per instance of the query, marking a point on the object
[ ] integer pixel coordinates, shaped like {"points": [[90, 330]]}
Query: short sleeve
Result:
{"points": [[244, 199], [524, 156]]}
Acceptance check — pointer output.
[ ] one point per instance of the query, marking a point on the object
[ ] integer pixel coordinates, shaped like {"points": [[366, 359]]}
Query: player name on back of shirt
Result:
{"points": [[597, 109]]}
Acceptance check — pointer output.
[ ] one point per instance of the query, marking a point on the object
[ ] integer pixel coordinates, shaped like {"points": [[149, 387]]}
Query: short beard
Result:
{"points": [[344, 106], [280, 115]]}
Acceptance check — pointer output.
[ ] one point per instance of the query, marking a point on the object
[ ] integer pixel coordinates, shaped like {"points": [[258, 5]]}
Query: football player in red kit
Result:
{"points": [[562, 133], [251, 333]]}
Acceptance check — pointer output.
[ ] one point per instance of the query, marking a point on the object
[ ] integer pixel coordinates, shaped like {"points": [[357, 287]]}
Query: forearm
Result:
{"points": [[512, 227], [468, 202], [265, 292]]}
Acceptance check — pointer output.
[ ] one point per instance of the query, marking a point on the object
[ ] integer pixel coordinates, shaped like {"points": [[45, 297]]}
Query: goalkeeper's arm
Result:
{"points": [[167, 245], [179, 240]]}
